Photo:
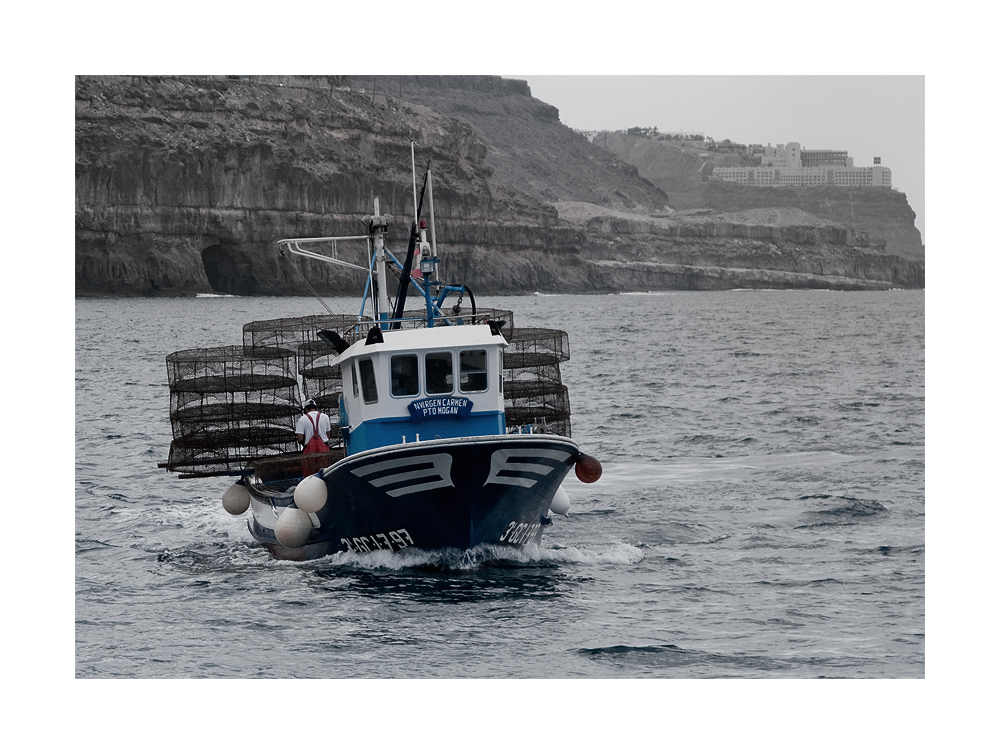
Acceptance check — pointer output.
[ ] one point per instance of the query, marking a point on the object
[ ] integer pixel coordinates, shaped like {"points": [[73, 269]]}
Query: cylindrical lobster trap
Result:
{"points": [[230, 405], [534, 394], [291, 332], [321, 380]]}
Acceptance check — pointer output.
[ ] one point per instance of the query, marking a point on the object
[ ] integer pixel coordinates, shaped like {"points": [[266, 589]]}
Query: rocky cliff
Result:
{"points": [[708, 250], [183, 185]]}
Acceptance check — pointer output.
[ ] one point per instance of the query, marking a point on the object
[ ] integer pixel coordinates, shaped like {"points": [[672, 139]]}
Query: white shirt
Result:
{"points": [[304, 426]]}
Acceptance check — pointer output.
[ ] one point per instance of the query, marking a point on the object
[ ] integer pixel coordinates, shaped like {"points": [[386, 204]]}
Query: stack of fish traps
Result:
{"points": [[233, 405], [535, 398], [229, 405], [321, 380]]}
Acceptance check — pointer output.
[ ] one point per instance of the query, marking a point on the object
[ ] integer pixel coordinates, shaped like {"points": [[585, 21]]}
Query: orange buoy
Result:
{"points": [[588, 469]]}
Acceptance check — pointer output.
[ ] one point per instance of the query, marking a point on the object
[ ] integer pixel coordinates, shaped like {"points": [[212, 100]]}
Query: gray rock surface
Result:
{"points": [[183, 185]]}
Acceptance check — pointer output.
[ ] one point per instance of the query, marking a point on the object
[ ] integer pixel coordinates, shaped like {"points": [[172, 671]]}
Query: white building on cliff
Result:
{"points": [[790, 165]]}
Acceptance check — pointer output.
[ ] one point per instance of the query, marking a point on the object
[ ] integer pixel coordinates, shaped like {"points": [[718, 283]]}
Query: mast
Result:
{"points": [[430, 196], [379, 227], [428, 255], [413, 168], [415, 237]]}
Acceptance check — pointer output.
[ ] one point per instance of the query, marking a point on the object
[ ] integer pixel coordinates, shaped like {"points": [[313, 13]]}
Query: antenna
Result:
{"points": [[430, 195], [413, 163]]}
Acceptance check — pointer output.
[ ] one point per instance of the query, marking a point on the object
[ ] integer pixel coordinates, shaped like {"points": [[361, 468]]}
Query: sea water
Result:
{"points": [[761, 512]]}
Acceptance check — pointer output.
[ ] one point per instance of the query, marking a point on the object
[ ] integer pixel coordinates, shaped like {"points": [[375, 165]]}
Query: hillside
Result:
{"points": [[528, 147], [184, 184], [680, 170]]}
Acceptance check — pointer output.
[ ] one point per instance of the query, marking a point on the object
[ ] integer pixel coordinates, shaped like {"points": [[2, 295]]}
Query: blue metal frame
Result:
{"points": [[433, 304], [368, 285]]}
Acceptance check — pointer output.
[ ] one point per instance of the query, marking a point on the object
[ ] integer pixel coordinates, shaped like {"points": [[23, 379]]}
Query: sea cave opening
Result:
{"points": [[212, 258], [223, 273]]}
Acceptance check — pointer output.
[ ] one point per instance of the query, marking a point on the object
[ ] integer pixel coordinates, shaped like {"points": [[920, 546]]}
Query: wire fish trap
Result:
{"points": [[413, 319], [534, 394], [533, 346], [226, 414], [504, 317], [216, 452], [322, 380], [544, 373], [545, 409], [230, 405], [203, 366], [280, 468], [292, 332]]}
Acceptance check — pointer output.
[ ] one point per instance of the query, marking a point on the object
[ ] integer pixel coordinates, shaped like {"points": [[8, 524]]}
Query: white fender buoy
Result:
{"points": [[293, 527], [560, 503], [237, 499], [310, 494]]}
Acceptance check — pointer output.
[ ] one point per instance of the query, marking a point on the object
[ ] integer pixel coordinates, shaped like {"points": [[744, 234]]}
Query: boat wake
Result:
{"points": [[484, 556]]}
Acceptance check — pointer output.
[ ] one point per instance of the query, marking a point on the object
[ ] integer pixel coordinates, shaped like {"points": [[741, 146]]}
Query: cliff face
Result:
{"points": [[707, 250], [183, 186], [881, 213]]}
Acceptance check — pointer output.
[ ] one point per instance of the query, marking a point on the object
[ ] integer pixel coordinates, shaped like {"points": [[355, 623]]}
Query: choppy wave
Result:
{"points": [[638, 660], [848, 506]]}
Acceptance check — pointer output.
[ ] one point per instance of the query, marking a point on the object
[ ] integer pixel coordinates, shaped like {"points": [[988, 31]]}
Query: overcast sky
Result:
{"points": [[869, 116]]}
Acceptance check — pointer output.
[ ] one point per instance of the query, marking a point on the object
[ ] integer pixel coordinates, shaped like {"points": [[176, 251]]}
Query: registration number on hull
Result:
{"points": [[390, 540], [519, 533]]}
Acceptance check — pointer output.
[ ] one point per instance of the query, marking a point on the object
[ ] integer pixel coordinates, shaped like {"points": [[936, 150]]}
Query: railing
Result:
{"points": [[418, 319]]}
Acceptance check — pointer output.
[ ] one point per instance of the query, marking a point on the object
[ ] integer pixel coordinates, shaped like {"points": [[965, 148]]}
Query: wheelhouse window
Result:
{"points": [[472, 365], [354, 379], [440, 377], [368, 388], [404, 375]]}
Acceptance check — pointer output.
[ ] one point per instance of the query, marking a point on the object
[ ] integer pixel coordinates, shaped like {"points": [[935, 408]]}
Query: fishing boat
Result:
{"points": [[449, 427]]}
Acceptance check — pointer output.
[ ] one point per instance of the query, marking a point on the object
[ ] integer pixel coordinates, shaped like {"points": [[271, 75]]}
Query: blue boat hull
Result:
{"points": [[454, 493]]}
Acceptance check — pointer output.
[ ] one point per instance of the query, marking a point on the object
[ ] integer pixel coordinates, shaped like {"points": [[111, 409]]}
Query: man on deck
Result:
{"points": [[313, 433]]}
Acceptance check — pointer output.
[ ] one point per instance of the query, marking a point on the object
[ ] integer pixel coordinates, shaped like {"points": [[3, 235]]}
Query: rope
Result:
{"points": [[306, 281]]}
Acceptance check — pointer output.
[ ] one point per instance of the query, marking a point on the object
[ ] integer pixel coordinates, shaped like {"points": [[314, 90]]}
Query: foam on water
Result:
{"points": [[484, 556]]}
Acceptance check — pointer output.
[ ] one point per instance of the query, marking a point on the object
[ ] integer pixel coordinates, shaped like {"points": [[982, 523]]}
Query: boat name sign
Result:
{"points": [[435, 408]]}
